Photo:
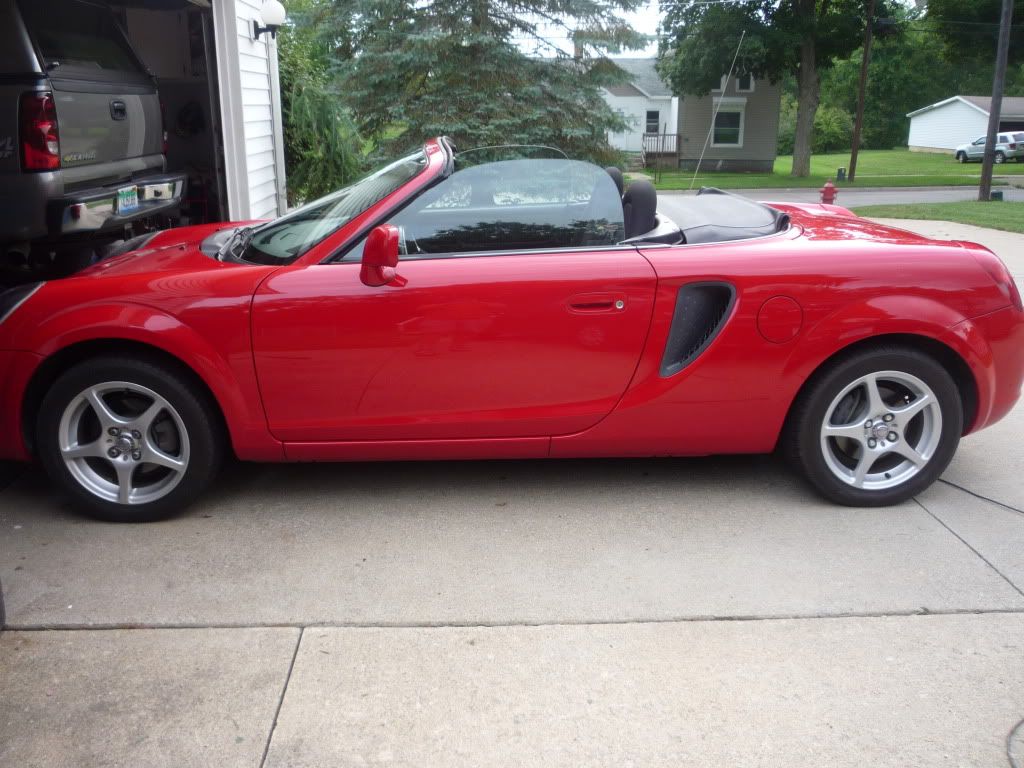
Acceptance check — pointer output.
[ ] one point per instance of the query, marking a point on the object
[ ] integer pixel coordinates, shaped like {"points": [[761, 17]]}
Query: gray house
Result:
{"points": [[736, 126]]}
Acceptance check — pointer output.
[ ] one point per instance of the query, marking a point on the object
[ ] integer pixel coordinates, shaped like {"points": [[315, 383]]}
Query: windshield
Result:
{"points": [[285, 239]]}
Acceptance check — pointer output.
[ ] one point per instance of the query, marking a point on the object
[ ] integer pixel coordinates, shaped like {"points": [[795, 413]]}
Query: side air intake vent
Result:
{"points": [[701, 311]]}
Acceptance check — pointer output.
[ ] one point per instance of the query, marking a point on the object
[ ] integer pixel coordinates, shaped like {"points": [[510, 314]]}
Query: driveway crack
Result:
{"points": [[963, 541], [280, 701], [969, 492]]}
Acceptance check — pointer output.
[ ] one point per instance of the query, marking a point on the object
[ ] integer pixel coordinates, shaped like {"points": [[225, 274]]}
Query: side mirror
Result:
{"points": [[380, 257]]}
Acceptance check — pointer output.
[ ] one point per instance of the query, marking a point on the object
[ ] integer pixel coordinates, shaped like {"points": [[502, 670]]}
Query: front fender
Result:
{"points": [[229, 374]]}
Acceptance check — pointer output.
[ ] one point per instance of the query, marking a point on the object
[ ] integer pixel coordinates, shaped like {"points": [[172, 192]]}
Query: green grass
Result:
{"points": [[996, 215], [875, 168]]}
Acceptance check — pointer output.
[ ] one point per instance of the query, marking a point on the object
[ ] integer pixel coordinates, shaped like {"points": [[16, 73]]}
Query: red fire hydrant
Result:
{"points": [[829, 192]]}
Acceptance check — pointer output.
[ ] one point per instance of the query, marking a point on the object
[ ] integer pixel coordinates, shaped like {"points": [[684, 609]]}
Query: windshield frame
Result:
{"points": [[250, 250]]}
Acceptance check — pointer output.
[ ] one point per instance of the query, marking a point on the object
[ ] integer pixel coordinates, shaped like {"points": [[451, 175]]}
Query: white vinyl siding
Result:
{"points": [[635, 109], [250, 107], [946, 127]]}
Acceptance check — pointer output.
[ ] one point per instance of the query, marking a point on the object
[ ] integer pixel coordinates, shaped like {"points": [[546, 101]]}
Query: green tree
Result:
{"points": [[970, 30], [803, 37], [322, 147], [412, 69]]}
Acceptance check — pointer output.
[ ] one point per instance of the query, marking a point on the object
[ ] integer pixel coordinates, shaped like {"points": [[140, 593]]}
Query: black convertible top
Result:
{"points": [[714, 216]]}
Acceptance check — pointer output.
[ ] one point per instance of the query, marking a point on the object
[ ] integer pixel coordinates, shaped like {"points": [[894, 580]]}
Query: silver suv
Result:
{"points": [[1009, 146], [82, 140]]}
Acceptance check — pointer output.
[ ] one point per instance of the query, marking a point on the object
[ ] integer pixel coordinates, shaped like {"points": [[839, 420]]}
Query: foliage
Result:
{"points": [[412, 69], [321, 145], [996, 215], [969, 29], [801, 36], [833, 127]]}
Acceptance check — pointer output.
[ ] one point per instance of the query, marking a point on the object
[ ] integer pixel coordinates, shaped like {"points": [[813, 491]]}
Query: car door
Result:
{"points": [[516, 314], [976, 150]]}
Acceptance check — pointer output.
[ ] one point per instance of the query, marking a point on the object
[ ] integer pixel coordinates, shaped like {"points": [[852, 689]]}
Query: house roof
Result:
{"points": [[1013, 106], [644, 76]]}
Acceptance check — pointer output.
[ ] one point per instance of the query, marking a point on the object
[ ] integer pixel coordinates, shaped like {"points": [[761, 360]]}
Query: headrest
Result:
{"points": [[616, 175]]}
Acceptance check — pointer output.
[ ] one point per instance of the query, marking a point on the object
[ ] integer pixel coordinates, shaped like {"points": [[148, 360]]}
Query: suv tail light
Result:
{"points": [[1001, 275], [40, 141], [1013, 146]]}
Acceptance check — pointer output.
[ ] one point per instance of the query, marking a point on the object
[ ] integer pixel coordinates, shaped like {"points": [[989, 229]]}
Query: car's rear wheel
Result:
{"points": [[876, 427], [128, 440], [1000, 157]]}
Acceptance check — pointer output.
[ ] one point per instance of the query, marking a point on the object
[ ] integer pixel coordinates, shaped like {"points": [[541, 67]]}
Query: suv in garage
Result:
{"points": [[82, 140]]}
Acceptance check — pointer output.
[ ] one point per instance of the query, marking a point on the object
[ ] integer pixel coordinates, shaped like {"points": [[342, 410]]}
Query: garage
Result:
{"points": [[130, 115], [945, 125]]}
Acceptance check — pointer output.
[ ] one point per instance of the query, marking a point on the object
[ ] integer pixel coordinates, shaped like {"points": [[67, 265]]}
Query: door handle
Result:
{"points": [[118, 110], [596, 303]]}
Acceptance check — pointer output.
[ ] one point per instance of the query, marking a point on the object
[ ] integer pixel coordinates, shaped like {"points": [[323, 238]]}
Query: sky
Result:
{"points": [[644, 20]]}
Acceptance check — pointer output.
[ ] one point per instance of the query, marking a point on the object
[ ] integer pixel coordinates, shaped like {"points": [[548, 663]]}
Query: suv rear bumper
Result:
{"points": [[92, 210]]}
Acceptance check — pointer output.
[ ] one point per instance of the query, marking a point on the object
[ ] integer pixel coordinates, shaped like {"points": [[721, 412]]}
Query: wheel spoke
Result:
{"points": [[875, 403], [106, 416], [124, 471], [867, 458], [909, 453], [145, 421], [88, 450], [851, 431], [905, 414], [153, 455]]}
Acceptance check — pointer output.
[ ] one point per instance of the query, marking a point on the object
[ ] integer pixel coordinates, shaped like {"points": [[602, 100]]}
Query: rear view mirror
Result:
{"points": [[380, 256]]}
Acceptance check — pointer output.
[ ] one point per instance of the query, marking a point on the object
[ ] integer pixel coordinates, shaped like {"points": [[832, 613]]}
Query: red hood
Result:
{"points": [[172, 250], [831, 222]]}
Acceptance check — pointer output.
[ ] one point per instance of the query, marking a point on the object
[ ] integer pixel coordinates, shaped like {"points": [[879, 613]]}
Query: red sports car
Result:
{"points": [[470, 305]]}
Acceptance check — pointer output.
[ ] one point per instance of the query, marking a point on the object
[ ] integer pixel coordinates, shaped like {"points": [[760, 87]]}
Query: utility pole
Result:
{"points": [[862, 91], [998, 81]]}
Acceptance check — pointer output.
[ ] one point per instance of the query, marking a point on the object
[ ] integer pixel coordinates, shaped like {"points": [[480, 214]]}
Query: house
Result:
{"points": [[218, 82], [733, 128], [943, 126], [646, 102]]}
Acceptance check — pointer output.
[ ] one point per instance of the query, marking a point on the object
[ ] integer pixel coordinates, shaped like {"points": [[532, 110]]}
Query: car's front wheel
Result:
{"points": [[129, 440], [961, 157], [876, 427]]}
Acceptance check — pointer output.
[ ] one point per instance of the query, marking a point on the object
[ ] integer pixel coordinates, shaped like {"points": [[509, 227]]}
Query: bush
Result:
{"points": [[833, 128]]}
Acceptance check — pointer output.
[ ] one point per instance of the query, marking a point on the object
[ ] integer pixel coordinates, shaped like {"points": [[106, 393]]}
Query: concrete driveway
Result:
{"points": [[701, 612], [853, 197]]}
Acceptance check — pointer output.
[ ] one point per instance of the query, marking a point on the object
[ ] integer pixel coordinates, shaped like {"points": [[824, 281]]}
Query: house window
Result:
{"points": [[653, 118], [728, 128], [745, 83]]}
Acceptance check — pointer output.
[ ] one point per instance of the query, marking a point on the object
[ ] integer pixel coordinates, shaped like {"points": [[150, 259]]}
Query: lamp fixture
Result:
{"points": [[273, 17]]}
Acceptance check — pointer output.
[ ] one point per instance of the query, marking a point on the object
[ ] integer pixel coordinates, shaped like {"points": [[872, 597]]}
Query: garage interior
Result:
{"points": [[174, 39]]}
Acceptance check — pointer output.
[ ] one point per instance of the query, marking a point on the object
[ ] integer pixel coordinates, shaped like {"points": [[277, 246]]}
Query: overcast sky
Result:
{"points": [[644, 20]]}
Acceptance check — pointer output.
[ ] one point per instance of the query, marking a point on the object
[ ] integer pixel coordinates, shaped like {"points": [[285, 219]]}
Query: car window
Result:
{"points": [[1018, 137], [512, 205], [980, 141], [285, 239], [79, 35]]}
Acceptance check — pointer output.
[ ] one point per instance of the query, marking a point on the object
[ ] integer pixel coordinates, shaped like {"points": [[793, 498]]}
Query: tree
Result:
{"points": [[803, 37], [322, 148], [411, 69], [970, 29]]}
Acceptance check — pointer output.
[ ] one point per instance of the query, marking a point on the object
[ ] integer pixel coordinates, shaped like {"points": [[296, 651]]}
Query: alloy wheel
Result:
{"points": [[123, 443]]}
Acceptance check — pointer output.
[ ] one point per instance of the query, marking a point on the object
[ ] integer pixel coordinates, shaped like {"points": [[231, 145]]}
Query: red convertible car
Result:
{"points": [[460, 305]]}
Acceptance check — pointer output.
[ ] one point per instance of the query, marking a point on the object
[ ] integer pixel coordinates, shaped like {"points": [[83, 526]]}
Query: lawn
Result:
{"points": [[997, 215], [875, 168]]}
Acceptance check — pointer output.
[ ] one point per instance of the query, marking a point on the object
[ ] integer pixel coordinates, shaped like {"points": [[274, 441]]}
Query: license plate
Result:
{"points": [[127, 199]]}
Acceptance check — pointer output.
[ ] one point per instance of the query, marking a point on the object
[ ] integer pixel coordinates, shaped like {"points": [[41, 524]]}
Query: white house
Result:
{"points": [[218, 82], [943, 126], [646, 102]]}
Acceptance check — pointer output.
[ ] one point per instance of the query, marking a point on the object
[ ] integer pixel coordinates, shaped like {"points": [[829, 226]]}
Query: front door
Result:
{"points": [[491, 346]]}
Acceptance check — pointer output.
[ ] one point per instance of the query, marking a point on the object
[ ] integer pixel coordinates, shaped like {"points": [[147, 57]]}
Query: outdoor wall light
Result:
{"points": [[272, 15]]}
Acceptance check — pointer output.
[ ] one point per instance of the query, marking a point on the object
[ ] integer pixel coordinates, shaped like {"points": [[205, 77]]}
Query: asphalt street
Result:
{"points": [[701, 612], [852, 198]]}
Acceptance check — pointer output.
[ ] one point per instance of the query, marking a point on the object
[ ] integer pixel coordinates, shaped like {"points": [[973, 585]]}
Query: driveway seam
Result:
{"points": [[923, 611], [964, 542], [1002, 504], [280, 701]]}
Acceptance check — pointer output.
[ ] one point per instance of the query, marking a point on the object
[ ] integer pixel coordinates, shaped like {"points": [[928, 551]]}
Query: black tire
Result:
{"points": [[198, 414], [961, 158], [1000, 158], [802, 438]]}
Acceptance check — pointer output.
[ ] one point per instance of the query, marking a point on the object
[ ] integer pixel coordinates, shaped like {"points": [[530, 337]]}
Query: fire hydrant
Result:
{"points": [[829, 192]]}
